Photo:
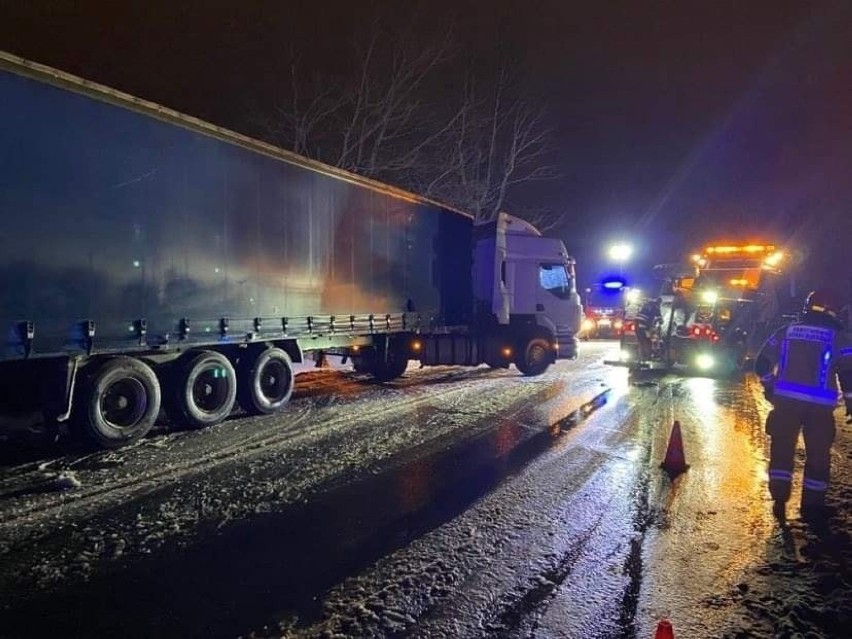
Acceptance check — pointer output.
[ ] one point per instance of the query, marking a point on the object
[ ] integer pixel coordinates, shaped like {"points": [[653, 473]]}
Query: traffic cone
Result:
{"points": [[664, 629], [675, 462]]}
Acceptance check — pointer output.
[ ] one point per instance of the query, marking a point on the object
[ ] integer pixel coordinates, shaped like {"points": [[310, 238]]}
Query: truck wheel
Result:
{"points": [[118, 403], [202, 389], [391, 368], [264, 381], [535, 357]]}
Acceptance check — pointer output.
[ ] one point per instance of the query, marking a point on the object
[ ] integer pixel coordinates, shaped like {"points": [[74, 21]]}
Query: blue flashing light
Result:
{"points": [[613, 283]]}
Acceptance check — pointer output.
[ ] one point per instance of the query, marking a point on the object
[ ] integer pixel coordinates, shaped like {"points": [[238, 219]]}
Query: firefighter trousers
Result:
{"points": [[783, 424], [644, 340]]}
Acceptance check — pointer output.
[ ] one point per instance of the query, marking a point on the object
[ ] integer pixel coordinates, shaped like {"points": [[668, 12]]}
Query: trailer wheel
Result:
{"points": [[202, 389], [264, 381], [535, 357], [118, 403]]}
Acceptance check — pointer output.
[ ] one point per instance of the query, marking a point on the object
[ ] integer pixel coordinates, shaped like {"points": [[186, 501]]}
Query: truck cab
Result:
{"points": [[527, 283]]}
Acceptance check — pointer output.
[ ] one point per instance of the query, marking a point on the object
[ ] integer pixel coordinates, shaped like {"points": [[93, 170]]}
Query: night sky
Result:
{"points": [[676, 123]]}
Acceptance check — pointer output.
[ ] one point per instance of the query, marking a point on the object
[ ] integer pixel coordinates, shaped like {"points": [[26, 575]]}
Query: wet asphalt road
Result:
{"points": [[361, 497]]}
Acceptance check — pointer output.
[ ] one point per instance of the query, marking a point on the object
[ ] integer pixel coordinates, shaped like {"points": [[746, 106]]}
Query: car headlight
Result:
{"points": [[587, 325]]}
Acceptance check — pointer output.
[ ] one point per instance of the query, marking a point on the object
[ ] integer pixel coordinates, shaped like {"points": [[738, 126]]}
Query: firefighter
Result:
{"points": [[799, 367], [646, 321]]}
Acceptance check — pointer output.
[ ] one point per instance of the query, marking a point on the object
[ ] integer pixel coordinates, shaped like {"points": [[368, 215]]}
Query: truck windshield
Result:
{"points": [[555, 279]]}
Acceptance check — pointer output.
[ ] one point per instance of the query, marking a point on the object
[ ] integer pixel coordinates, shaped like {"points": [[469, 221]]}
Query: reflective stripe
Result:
{"points": [[809, 333], [815, 484], [780, 475], [826, 367], [802, 392], [782, 356]]}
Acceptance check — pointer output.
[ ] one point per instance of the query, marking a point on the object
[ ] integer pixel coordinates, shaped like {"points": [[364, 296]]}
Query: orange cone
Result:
{"points": [[675, 461], [664, 628]]}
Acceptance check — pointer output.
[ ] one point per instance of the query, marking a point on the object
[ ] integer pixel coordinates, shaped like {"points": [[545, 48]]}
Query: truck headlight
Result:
{"points": [[704, 362]]}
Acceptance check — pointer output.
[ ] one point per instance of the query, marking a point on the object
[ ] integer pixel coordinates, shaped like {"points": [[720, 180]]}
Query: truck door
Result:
{"points": [[558, 306]]}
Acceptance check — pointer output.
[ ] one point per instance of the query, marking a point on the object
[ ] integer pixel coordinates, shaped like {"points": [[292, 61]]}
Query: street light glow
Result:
{"points": [[620, 252]]}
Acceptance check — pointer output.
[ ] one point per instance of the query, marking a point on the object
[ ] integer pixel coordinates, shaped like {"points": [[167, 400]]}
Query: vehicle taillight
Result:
{"points": [[704, 332]]}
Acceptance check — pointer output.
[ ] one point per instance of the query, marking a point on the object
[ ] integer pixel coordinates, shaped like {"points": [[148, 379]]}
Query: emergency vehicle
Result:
{"points": [[716, 311], [602, 322]]}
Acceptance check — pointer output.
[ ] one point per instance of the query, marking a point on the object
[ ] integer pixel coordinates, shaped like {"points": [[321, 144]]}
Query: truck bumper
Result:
{"points": [[567, 346]]}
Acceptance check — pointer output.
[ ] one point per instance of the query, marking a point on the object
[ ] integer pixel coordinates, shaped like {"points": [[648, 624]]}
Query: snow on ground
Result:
{"points": [[589, 539], [135, 501], [800, 585], [567, 514]]}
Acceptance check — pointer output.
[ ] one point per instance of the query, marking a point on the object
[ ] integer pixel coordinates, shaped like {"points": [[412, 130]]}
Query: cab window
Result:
{"points": [[555, 280]]}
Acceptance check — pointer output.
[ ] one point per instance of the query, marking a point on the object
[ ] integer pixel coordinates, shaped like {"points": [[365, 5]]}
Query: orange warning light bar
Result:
{"points": [[747, 249]]}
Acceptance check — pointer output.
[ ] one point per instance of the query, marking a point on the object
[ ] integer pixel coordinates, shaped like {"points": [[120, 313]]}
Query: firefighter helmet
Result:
{"points": [[823, 300]]}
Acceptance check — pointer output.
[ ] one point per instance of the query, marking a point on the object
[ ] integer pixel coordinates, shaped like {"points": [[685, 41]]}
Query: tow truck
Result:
{"points": [[716, 311]]}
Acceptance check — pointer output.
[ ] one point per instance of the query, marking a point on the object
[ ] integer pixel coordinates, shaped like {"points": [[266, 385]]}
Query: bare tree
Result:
{"points": [[386, 120], [494, 144], [394, 118], [298, 123], [373, 120]]}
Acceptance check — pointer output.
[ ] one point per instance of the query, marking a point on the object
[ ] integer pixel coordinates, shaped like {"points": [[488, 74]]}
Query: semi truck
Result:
{"points": [[150, 260], [716, 311]]}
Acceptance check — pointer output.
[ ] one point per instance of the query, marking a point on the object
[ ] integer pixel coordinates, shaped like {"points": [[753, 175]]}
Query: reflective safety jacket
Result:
{"points": [[647, 316], [804, 361]]}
